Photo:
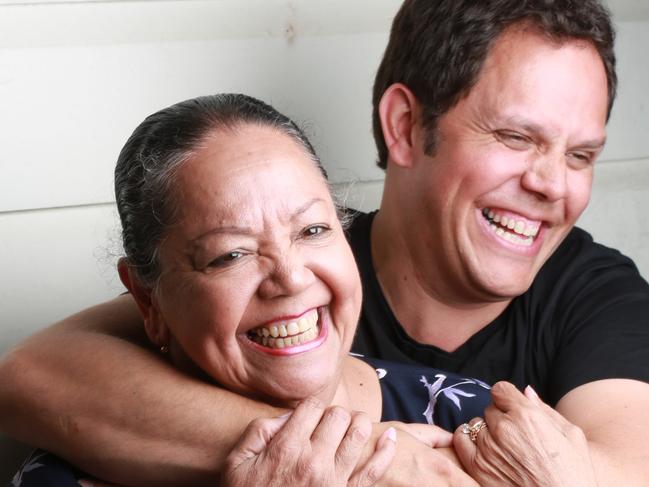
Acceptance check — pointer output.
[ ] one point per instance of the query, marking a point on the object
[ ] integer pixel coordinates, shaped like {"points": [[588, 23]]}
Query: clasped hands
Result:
{"points": [[525, 442]]}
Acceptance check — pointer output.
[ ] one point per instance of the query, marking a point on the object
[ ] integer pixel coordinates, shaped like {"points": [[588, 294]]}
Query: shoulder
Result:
{"points": [[580, 248], [363, 383], [589, 308], [581, 262]]}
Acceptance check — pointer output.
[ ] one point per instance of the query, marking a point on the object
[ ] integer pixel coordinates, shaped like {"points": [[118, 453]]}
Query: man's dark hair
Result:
{"points": [[438, 47], [159, 146]]}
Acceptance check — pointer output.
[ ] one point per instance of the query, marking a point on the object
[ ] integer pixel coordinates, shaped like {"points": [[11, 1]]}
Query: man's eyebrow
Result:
{"points": [[594, 144]]}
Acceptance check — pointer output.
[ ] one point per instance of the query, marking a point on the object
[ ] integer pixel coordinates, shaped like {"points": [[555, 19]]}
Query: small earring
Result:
{"points": [[164, 349]]}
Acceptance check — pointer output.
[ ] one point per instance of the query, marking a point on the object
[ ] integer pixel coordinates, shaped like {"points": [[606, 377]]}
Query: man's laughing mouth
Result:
{"points": [[514, 230]]}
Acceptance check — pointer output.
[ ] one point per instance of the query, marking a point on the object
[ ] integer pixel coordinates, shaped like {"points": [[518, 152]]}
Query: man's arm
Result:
{"points": [[88, 390], [612, 414]]}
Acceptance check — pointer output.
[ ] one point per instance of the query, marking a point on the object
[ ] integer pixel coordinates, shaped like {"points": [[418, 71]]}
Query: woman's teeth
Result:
{"points": [[510, 229], [287, 334]]}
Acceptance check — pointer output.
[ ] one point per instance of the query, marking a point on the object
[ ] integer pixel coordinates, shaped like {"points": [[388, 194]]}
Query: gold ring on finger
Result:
{"points": [[474, 429]]}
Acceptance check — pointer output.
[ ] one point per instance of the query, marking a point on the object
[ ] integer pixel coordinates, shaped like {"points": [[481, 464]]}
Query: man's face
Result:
{"points": [[512, 168]]}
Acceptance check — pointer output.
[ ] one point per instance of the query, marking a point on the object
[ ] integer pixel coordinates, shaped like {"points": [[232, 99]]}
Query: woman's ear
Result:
{"points": [[399, 113], [155, 327]]}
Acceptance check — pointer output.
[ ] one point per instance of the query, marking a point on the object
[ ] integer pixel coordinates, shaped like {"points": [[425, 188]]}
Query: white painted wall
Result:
{"points": [[77, 76]]}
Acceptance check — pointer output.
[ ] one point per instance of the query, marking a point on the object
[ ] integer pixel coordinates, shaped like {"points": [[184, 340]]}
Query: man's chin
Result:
{"points": [[501, 288]]}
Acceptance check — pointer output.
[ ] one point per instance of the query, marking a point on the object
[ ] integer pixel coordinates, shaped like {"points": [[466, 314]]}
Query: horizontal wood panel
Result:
{"points": [[75, 79]]}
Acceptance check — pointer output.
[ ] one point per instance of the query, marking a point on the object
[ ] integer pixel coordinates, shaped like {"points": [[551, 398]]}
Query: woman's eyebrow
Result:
{"points": [[246, 230], [305, 207], [228, 229]]}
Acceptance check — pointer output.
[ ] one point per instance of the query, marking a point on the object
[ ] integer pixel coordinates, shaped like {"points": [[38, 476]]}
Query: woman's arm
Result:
{"points": [[88, 390]]}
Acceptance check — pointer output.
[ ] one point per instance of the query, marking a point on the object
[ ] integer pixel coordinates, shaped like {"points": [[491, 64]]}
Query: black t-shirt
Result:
{"points": [[585, 318]]}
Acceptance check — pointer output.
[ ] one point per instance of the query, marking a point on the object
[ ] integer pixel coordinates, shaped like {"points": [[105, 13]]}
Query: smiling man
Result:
{"points": [[488, 118], [473, 264]]}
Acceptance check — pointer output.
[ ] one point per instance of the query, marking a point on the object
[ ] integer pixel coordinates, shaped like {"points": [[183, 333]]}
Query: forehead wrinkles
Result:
{"points": [[250, 198], [236, 177], [523, 67]]}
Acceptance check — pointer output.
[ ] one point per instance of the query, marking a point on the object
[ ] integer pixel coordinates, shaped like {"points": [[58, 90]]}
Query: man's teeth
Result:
{"points": [[287, 334], [510, 229]]}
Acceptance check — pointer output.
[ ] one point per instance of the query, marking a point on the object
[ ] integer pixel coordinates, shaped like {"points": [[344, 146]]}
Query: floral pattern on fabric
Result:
{"points": [[42, 469]]}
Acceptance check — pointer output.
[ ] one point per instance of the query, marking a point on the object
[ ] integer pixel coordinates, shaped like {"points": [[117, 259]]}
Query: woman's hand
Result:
{"points": [[526, 442], [313, 446]]}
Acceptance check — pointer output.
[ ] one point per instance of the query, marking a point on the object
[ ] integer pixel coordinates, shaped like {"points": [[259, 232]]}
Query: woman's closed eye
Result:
{"points": [[227, 259], [315, 231]]}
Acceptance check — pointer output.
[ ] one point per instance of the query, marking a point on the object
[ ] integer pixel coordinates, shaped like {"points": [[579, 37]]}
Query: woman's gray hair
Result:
{"points": [[159, 146]]}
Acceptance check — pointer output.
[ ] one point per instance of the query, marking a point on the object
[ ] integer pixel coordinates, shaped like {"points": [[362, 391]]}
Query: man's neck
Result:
{"points": [[428, 317]]}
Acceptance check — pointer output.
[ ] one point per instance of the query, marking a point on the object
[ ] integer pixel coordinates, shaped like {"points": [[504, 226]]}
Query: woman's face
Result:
{"points": [[259, 286]]}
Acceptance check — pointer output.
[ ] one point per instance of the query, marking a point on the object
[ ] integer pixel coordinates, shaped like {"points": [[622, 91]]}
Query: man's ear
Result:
{"points": [[154, 325], [399, 113]]}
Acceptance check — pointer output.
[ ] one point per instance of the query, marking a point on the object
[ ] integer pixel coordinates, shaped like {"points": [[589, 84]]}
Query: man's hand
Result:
{"points": [[313, 446], [526, 442]]}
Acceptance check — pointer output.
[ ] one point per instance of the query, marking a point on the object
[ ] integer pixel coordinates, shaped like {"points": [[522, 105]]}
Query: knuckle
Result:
{"points": [[357, 437], [361, 418], [312, 403], [501, 429], [338, 414], [490, 411], [443, 468], [575, 433], [368, 476], [283, 450], [360, 430], [307, 468], [230, 464], [258, 424]]}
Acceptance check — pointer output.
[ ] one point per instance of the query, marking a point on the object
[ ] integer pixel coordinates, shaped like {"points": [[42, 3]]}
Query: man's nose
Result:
{"points": [[288, 276], [546, 176]]}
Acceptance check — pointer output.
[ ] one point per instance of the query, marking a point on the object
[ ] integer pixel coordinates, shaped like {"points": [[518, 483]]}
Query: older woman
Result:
{"points": [[239, 265]]}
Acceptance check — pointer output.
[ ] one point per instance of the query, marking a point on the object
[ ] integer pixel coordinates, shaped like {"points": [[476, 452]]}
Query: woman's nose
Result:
{"points": [[288, 276]]}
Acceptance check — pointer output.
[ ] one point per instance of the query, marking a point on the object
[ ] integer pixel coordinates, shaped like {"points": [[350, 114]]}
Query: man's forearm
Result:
{"points": [[130, 417]]}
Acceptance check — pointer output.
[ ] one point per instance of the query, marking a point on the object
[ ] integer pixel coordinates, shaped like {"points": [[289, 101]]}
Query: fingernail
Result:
{"points": [[391, 434], [531, 393], [85, 483]]}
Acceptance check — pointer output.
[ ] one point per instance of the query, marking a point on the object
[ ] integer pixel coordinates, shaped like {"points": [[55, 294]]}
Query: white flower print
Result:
{"points": [[27, 466]]}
